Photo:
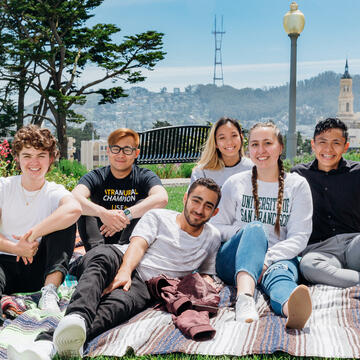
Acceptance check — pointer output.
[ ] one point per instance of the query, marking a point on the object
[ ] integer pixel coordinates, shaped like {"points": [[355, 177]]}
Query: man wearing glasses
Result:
{"points": [[114, 197]]}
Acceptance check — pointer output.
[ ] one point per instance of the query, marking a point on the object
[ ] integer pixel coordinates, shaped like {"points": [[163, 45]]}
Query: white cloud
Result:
{"points": [[238, 76], [244, 75]]}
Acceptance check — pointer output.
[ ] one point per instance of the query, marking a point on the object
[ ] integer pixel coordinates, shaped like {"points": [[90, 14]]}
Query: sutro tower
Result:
{"points": [[218, 69]]}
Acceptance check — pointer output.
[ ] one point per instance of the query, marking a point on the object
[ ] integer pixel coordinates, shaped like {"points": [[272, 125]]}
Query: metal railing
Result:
{"points": [[173, 144]]}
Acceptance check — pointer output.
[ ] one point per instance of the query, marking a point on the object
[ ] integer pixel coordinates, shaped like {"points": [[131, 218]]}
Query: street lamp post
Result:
{"points": [[294, 22]]}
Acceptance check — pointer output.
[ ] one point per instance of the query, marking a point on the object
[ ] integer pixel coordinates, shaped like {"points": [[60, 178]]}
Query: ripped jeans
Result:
{"points": [[246, 251], [279, 281]]}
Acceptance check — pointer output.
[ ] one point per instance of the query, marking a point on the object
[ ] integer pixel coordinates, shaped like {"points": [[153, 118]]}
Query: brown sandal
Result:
{"points": [[299, 307]]}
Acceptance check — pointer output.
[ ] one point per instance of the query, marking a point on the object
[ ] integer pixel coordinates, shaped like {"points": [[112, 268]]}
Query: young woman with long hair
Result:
{"points": [[223, 153], [265, 219]]}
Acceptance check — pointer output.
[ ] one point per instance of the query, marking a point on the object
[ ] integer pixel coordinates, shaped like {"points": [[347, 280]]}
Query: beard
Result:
{"points": [[198, 223]]}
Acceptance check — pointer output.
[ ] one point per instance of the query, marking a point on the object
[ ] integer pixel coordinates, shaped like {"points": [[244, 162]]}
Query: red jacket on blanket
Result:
{"points": [[190, 300]]}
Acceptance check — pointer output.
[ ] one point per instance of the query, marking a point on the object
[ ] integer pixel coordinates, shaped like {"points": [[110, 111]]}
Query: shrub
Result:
{"points": [[57, 176], [8, 165], [71, 168], [298, 160], [186, 169], [352, 155], [171, 171], [165, 171]]}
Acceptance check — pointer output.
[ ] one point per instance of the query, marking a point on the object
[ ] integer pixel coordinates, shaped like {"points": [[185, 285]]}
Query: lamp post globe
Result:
{"points": [[294, 22]]}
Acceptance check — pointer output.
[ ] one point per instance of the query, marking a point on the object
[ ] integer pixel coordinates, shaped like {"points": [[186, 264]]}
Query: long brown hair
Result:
{"points": [[211, 156], [280, 178]]}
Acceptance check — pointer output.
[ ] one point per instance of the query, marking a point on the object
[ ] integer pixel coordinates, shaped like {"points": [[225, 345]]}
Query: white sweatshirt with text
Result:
{"points": [[236, 209]]}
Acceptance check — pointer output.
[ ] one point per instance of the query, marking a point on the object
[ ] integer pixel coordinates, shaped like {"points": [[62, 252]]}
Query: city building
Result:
{"points": [[346, 109], [93, 153], [71, 147]]}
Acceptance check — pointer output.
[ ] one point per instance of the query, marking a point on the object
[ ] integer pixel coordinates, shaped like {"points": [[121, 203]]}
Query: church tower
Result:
{"points": [[346, 98], [346, 109]]}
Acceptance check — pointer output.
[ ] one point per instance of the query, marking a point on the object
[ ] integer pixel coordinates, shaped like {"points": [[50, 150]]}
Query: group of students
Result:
{"points": [[278, 228], [252, 231]]}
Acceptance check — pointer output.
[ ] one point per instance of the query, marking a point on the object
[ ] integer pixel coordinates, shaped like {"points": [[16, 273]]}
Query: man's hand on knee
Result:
{"points": [[121, 279]]}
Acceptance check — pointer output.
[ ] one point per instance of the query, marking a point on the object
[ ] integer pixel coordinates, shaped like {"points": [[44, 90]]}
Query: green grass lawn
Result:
{"points": [[176, 195]]}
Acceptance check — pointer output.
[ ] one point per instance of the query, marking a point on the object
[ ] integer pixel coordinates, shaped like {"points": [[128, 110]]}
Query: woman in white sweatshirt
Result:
{"points": [[265, 222]]}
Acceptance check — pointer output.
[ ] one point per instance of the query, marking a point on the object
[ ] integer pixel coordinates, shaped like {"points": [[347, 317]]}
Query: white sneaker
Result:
{"points": [[38, 350], [70, 336], [245, 309], [49, 298]]}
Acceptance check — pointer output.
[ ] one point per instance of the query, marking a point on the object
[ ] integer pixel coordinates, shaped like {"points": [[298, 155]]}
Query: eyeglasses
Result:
{"points": [[116, 149]]}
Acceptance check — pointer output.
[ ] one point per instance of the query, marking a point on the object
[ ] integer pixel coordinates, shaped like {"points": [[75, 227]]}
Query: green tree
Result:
{"points": [[159, 124], [7, 106], [88, 132], [14, 66], [7, 116], [58, 46], [303, 145]]}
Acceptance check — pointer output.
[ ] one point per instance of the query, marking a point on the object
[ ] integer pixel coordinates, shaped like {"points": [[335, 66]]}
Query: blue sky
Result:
{"points": [[255, 49]]}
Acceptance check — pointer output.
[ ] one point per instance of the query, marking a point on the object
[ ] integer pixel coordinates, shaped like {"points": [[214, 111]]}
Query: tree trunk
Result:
{"points": [[61, 135], [40, 112], [21, 98], [20, 109]]}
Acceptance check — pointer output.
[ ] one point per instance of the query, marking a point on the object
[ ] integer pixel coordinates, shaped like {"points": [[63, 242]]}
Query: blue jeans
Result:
{"points": [[279, 281], [246, 251]]}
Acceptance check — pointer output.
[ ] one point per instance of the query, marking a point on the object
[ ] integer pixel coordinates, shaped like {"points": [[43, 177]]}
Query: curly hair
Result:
{"points": [[34, 136]]}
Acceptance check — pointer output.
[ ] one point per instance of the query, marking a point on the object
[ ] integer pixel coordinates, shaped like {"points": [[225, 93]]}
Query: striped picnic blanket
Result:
{"points": [[25, 327], [332, 331]]}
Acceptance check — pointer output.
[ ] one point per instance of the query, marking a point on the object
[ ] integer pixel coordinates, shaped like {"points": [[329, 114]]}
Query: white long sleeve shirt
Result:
{"points": [[236, 209], [220, 176]]}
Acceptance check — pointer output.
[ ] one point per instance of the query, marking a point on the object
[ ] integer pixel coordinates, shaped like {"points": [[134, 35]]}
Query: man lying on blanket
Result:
{"points": [[112, 286]]}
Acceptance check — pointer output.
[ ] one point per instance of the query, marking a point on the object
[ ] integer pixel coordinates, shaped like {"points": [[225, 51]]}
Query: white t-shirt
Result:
{"points": [[172, 251], [236, 209], [220, 176], [16, 217]]}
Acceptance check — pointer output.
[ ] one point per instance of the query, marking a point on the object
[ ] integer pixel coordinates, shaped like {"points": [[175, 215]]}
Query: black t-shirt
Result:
{"points": [[336, 198], [119, 194]]}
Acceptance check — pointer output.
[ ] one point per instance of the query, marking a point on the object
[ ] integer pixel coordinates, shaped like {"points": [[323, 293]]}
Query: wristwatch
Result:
{"points": [[128, 214]]}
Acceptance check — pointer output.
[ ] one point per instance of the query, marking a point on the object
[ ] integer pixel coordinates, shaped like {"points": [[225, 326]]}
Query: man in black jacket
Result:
{"points": [[333, 252]]}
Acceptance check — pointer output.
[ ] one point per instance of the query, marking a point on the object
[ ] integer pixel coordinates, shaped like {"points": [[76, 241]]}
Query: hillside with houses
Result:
{"points": [[317, 98]]}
